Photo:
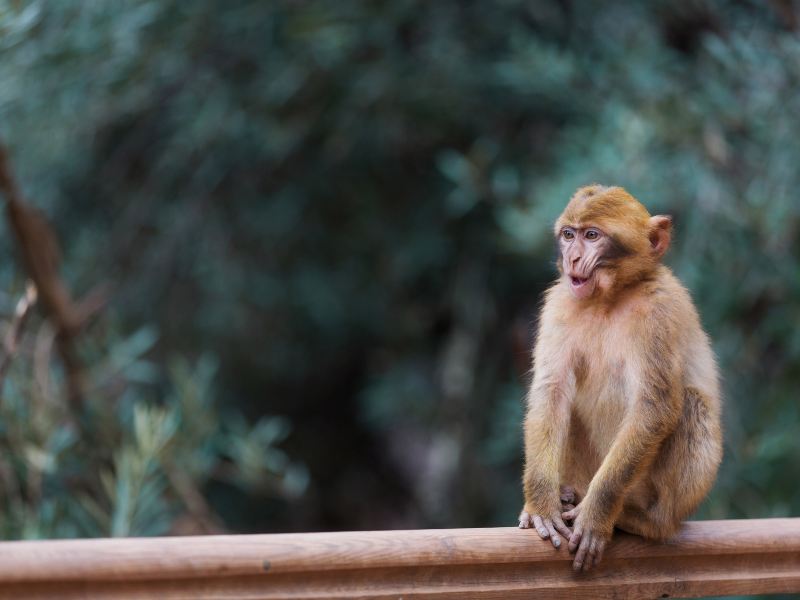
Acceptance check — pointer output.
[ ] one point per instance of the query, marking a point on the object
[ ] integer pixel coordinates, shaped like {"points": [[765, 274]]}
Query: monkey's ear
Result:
{"points": [[660, 234]]}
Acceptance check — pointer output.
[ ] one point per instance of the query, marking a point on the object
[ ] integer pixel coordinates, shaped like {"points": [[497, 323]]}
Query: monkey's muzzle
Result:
{"points": [[581, 287]]}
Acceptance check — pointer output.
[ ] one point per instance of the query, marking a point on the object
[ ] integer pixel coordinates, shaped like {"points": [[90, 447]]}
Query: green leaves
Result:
{"points": [[150, 455]]}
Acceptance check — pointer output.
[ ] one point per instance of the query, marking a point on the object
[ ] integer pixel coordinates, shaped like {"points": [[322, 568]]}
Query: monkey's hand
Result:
{"points": [[588, 537], [547, 523]]}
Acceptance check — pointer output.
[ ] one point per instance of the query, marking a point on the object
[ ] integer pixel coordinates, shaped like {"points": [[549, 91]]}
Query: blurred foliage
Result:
{"points": [[134, 460], [349, 204]]}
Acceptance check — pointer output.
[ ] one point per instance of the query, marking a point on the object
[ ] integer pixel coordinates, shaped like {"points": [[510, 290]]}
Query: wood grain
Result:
{"points": [[706, 558]]}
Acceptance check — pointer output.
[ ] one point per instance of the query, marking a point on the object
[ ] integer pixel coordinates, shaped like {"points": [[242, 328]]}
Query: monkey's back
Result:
{"points": [[688, 460]]}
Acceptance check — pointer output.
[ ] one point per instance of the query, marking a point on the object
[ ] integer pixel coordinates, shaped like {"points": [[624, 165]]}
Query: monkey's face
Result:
{"points": [[586, 260]]}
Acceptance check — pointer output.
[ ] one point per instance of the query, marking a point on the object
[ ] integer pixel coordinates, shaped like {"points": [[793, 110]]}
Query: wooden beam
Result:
{"points": [[706, 558]]}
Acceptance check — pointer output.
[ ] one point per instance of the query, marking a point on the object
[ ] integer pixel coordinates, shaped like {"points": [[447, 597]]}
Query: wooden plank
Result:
{"points": [[707, 558]]}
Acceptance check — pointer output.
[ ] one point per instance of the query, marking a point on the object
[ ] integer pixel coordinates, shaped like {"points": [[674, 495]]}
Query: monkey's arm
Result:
{"points": [[655, 410], [546, 426]]}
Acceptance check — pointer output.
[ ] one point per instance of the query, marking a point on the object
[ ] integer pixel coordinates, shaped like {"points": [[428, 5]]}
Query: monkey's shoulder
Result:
{"points": [[665, 297]]}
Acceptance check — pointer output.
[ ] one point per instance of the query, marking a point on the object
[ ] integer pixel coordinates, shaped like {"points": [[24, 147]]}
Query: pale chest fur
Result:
{"points": [[606, 373]]}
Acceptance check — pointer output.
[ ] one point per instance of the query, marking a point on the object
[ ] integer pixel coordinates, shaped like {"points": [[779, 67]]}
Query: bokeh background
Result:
{"points": [[324, 229]]}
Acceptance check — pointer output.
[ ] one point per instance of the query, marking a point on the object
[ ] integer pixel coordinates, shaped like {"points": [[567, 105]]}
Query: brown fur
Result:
{"points": [[624, 405]]}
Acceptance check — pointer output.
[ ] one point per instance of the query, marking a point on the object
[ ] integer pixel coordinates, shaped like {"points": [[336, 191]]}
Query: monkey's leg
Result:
{"points": [[654, 506], [653, 524], [680, 478]]}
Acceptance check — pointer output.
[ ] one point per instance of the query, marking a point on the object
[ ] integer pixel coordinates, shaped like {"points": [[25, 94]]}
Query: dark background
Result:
{"points": [[326, 227]]}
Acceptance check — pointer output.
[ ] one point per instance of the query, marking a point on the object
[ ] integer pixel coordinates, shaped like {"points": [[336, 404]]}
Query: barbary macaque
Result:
{"points": [[623, 420]]}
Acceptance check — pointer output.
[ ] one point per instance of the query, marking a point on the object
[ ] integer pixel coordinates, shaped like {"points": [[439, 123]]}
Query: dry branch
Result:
{"points": [[41, 258], [14, 333]]}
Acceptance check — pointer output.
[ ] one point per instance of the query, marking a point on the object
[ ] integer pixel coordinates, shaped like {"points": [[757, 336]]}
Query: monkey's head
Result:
{"points": [[607, 240]]}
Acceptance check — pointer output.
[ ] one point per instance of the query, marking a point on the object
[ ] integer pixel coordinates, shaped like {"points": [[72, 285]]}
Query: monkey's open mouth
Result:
{"points": [[582, 287], [578, 281]]}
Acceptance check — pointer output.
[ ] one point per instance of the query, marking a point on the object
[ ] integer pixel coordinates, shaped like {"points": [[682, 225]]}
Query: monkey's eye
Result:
{"points": [[568, 234], [592, 234]]}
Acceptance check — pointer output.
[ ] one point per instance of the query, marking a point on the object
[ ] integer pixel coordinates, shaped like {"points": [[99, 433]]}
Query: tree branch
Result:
{"points": [[41, 257]]}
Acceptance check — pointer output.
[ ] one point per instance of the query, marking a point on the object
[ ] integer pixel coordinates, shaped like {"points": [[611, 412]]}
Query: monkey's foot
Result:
{"points": [[570, 514], [568, 495], [569, 499]]}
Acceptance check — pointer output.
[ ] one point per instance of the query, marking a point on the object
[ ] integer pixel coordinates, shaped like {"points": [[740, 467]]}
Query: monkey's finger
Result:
{"points": [[524, 520], [562, 528], [601, 546], [575, 538], [537, 522], [580, 556], [591, 559], [554, 537]]}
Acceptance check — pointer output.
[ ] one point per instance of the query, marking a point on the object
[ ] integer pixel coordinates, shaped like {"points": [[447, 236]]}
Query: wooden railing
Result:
{"points": [[707, 558]]}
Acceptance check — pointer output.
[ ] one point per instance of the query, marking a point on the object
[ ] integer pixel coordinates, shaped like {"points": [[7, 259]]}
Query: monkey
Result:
{"points": [[622, 427]]}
